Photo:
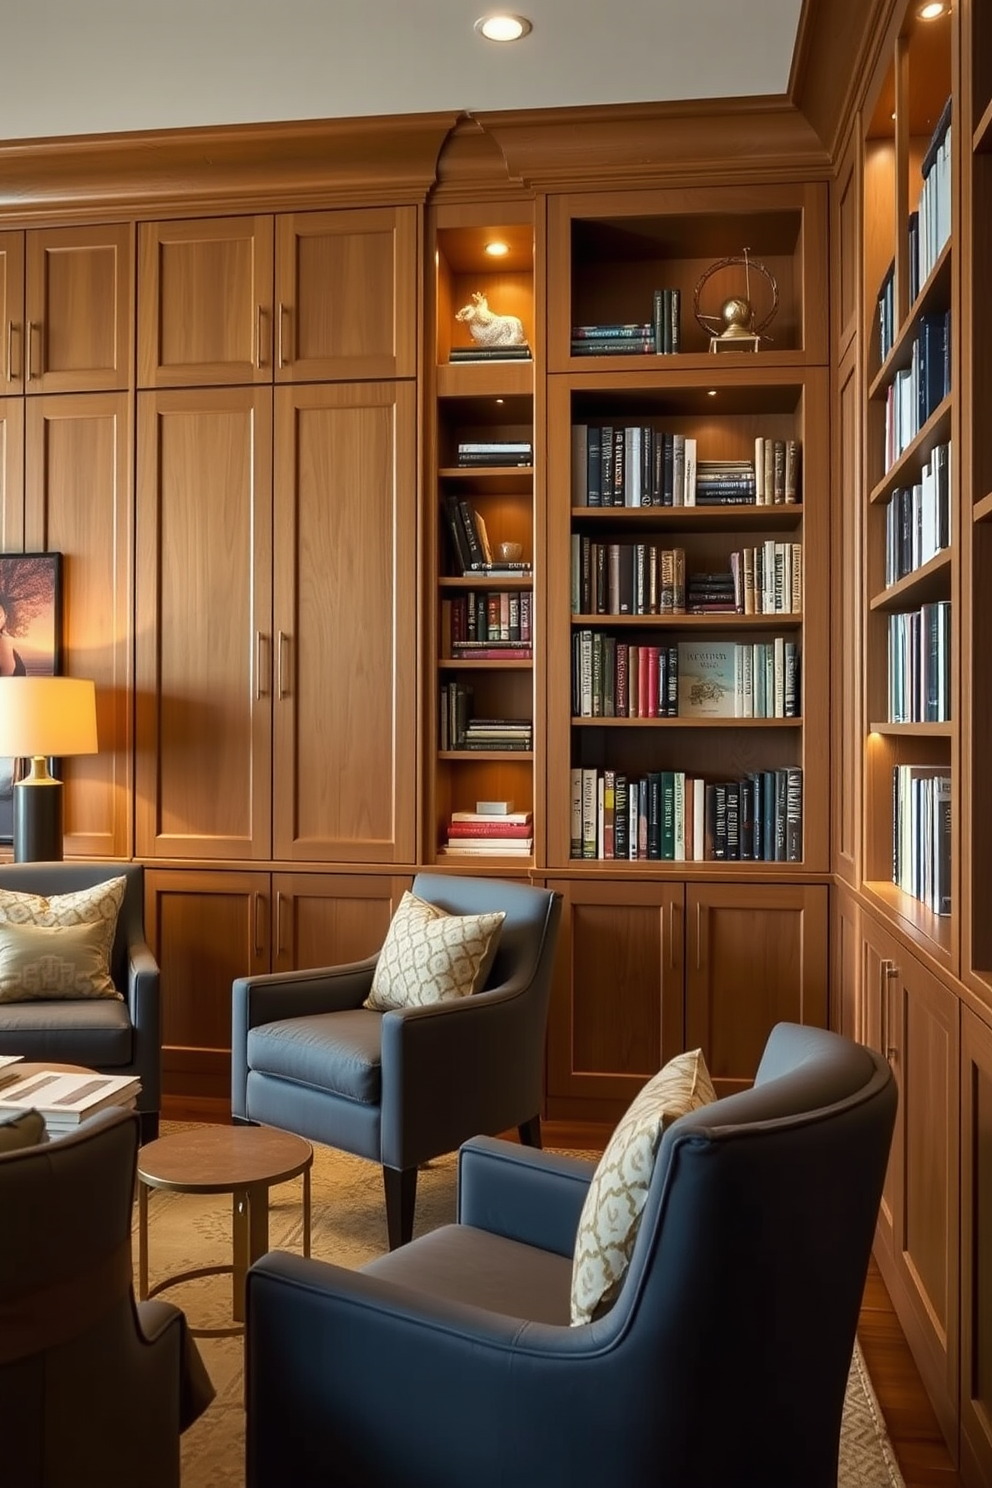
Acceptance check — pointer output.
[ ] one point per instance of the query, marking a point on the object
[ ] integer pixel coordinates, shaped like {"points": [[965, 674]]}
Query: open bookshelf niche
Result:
{"points": [[486, 618], [628, 255], [912, 542], [691, 632]]}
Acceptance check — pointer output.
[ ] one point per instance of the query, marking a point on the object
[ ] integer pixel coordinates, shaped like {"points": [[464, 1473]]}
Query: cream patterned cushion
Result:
{"points": [[58, 947], [617, 1194], [431, 956]]}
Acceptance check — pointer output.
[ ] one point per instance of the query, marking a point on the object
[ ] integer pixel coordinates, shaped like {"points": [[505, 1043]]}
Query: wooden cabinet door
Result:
{"points": [[616, 1001], [329, 919], [78, 501], [205, 929], [205, 302], [204, 633], [919, 1029], [345, 650], [756, 954], [12, 312], [877, 972], [976, 1249], [11, 475], [79, 309], [346, 295]]}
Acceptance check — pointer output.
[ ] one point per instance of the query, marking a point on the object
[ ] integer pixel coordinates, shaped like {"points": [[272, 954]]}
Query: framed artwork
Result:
{"points": [[30, 641]]}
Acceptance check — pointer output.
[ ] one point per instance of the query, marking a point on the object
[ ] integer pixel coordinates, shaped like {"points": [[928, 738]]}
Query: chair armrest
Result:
{"points": [[145, 1011], [293, 994], [317, 1336], [521, 1193]]}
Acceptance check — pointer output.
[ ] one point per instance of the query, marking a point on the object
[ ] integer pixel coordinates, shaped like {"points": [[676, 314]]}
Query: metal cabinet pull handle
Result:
{"points": [[10, 350], [257, 907], [29, 371], [279, 922], [282, 646], [263, 675], [283, 313]]}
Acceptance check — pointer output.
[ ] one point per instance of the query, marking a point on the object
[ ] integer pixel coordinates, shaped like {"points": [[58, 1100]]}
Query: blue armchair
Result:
{"points": [[722, 1363]]}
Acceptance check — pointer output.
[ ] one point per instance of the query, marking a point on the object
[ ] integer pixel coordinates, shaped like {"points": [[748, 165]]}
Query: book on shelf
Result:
{"points": [[64, 1099], [667, 320], [706, 679], [521, 353], [479, 651], [482, 846], [614, 346], [488, 826], [616, 331]]}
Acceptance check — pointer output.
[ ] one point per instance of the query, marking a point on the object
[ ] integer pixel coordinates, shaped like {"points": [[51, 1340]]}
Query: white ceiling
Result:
{"points": [[99, 66]]}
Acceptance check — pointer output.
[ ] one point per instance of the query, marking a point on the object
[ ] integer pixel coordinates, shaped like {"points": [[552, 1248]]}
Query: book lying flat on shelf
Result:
{"points": [[67, 1099]]}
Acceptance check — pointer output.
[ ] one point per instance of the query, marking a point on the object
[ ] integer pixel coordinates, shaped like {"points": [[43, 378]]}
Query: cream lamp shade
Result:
{"points": [[42, 717]]}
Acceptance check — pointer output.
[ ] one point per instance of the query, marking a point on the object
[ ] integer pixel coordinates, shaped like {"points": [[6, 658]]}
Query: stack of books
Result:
{"points": [[64, 1099], [473, 452], [477, 353], [711, 594], [612, 338], [500, 834], [498, 733], [724, 483]]}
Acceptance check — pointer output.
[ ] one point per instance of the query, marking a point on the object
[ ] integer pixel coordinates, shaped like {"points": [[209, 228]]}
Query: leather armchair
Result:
{"points": [[116, 1038], [723, 1361], [427, 1077], [94, 1387]]}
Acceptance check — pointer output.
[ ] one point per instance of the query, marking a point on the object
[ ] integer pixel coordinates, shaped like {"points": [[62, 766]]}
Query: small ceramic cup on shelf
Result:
{"points": [[510, 552]]}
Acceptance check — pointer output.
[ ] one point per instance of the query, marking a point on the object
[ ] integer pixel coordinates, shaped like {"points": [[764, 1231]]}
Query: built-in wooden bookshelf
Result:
{"points": [[489, 401]]}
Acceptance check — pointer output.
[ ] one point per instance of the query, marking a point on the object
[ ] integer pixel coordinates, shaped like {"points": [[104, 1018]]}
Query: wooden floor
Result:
{"points": [[920, 1449]]}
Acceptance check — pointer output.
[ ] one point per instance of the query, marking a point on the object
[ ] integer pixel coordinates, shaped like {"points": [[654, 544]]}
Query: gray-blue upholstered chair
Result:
{"points": [[95, 1388], [116, 1038], [723, 1362], [404, 1086]]}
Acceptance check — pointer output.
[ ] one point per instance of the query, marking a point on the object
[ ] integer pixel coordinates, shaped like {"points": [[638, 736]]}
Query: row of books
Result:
{"points": [[474, 452], [470, 548], [613, 677], [918, 518], [460, 729], [916, 391], [921, 835], [920, 664], [487, 617], [478, 834], [642, 578], [661, 335], [636, 465], [930, 225], [669, 816]]}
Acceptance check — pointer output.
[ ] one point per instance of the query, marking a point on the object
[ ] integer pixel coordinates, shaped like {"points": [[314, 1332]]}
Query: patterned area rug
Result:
{"points": [[349, 1227]]}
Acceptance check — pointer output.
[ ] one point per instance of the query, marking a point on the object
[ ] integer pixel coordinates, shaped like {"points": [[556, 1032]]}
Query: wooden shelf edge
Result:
{"points": [[682, 621], [921, 578], [932, 933], [605, 721], [982, 510], [913, 730]]}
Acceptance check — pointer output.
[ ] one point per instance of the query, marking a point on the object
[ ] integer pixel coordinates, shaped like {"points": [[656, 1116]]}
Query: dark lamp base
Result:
{"points": [[38, 821]]}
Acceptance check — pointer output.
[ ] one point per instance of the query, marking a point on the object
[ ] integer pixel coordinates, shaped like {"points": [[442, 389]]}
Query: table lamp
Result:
{"points": [[43, 718]]}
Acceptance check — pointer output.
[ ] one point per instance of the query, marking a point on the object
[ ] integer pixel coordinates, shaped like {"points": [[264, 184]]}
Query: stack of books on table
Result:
{"points": [[477, 833], [64, 1100]]}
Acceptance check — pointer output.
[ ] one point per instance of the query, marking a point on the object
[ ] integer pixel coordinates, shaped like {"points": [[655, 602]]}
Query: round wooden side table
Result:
{"points": [[244, 1161]]}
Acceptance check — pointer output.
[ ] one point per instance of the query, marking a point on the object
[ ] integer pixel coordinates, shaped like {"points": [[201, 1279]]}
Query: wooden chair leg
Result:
{"points": [[529, 1132], [401, 1200]]}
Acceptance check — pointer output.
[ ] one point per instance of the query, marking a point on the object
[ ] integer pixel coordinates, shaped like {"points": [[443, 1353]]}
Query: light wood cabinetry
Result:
{"points": [[208, 926], [299, 297], [275, 675], [68, 315], [79, 500], [650, 968], [11, 474], [976, 1248]]}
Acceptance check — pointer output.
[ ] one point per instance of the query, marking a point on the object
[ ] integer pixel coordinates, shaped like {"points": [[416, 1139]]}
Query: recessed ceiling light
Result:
{"points": [[503, 27], [711, 392], [931, 10], [497, 249]]}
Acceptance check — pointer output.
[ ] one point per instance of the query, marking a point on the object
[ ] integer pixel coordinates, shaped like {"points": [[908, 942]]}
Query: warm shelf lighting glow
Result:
{"points": [[497, 249], [503, 27], [711, 392], [932, 10]]}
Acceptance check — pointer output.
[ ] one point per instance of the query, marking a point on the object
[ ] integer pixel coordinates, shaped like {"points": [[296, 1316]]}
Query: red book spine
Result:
{"points": [[652, 704], [489, 829]]}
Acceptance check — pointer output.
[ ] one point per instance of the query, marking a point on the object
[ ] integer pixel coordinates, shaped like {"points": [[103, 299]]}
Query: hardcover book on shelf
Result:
{"points": [[706, 679]]}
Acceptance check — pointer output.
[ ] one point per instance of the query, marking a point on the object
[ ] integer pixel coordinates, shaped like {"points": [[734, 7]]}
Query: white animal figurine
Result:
{"points": [[488, 328]]}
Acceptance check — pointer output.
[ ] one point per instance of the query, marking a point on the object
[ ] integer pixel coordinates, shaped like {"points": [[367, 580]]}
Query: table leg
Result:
{"points": [[142, 1240], [306, 1211], [250, 1224]]}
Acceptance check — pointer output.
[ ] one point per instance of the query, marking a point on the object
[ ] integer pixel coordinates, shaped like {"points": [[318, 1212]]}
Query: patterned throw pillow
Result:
{"points": [[618, 1192], [431, 956], [58, 947], [21, 1129]]}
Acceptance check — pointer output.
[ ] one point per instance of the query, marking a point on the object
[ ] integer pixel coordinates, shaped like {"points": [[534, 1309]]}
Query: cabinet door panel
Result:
{"points": [[12, 312], [204, 623], [616, 1008], [345, 645], [204, 929], [328, 919], [11, 474], [205, 302], [346, 294], [756, 954], [79, 327], [79, 502], [976, 1244]]}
